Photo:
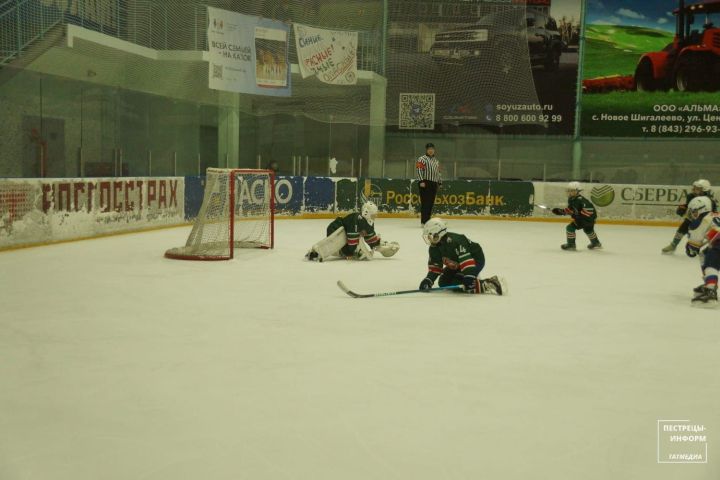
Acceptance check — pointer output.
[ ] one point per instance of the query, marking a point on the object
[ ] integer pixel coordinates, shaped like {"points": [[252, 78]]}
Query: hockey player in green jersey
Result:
{"points": [[353, 237], [456, 260], [583, 216]]}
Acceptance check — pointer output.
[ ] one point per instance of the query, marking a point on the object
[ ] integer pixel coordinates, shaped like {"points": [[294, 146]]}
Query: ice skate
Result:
{"points": [[706, 298], [493, 285], [568, 246], [669, 248], [594, 245]]}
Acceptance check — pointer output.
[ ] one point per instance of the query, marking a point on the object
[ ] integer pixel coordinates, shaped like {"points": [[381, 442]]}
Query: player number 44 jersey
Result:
{"points": [[455, 252]]}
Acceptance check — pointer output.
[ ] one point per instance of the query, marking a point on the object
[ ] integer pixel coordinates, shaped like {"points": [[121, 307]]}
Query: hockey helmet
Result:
{"points": [[701, 186], [573, 188], [434, 230], [699, 206], [369, 212]]}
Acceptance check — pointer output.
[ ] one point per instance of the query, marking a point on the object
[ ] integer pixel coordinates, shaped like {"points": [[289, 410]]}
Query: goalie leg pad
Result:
{"points": [[329, 246], [388, 249]]}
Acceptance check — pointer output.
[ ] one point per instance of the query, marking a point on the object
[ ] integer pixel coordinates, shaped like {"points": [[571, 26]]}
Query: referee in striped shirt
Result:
{"points": [[428, 174]]}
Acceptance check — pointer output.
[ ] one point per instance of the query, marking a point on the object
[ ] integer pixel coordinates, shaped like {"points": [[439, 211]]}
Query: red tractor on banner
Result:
{"points": [[692, 62]]}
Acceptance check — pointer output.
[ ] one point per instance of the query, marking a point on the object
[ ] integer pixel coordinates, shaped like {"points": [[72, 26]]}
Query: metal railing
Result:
{"points": [[23, 22], [145, 23]]}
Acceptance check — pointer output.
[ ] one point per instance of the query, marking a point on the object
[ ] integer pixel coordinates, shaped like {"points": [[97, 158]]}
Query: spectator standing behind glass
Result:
{"points": [[428, 175]]}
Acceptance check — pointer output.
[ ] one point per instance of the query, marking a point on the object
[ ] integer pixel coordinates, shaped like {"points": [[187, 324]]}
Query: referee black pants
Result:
{"points": [[427, 199]]}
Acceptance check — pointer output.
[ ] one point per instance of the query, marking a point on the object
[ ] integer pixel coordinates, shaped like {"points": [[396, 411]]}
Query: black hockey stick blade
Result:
{"points": [[345, 289]]}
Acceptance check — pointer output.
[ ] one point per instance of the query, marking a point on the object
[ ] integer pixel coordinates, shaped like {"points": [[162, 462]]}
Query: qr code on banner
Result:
{"points": [[217, 71], [417, 111]]}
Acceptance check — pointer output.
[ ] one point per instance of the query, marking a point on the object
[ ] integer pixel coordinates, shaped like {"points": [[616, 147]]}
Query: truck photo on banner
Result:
{"points": [[652, 69], [487, 65], [247, 54]]}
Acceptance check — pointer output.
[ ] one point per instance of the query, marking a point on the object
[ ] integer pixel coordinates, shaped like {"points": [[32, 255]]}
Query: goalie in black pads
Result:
{"points": [[353, 237], [456, 260], [583, 216]]}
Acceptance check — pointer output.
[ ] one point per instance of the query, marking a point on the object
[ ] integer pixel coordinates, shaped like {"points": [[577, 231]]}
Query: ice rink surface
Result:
{"points": [[118, 364]]}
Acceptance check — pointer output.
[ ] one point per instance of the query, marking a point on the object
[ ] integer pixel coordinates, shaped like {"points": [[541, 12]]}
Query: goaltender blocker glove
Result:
{"points": [[470, 284], [558, 211], [426, 284]]}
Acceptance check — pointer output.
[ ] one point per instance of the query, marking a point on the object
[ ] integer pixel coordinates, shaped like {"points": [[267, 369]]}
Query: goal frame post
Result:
{"points": [[233, 174]]}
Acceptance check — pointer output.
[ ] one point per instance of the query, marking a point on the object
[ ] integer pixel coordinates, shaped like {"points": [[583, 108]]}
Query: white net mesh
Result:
{"points": [[456, 64], [122, 88], [237, 212]]}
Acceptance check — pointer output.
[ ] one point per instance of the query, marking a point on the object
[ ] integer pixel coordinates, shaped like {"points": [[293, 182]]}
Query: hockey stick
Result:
{"points": [[345, 289], [545, 207]]}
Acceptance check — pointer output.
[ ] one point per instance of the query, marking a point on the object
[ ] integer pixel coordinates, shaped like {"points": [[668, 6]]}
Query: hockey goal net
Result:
{"points": [[238, 211]]}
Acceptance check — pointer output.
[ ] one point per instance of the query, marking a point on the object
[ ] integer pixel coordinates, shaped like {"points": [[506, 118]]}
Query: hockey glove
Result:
{"points": [[558, 211], [681, 210], [470, 284], [388, 249], [426, 284], [692, 250], [363, 252]]}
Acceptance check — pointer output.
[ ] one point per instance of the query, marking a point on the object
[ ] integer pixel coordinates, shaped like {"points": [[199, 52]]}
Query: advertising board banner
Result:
{"points": [[319, 194], [460, 197], [247, 54], [346, 195], [511, 198], [194, 192], [454, 197], [618, 201], [44, 210], [330, 55], [390, 195], [504, 67], [289, 195], [648, 69]]}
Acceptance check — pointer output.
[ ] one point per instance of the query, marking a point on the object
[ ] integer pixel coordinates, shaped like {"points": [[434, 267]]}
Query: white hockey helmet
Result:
{"points": [[369, 212], [434, 230], [701, 186], [699, 206], [573, 187]]}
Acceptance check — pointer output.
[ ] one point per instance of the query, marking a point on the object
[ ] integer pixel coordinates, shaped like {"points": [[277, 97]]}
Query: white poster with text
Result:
{"points": [[247, 54], [331, 55]]}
